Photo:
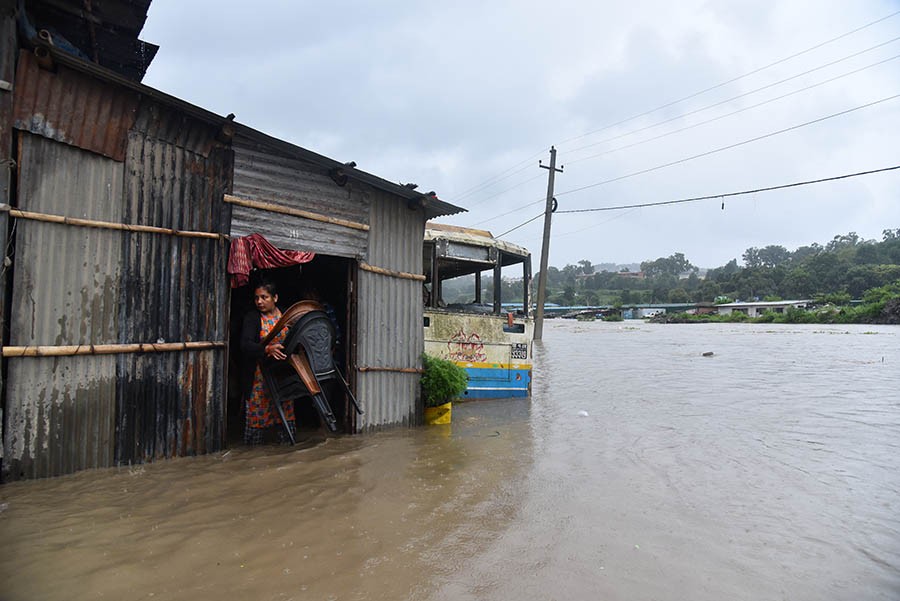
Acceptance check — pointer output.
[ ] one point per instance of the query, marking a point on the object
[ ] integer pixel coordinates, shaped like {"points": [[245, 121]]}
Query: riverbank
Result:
{"points": [[885, 314]]}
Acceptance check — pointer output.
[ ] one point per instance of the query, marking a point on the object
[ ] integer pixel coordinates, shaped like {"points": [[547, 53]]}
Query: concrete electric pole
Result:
{"points": [[545, 246]]}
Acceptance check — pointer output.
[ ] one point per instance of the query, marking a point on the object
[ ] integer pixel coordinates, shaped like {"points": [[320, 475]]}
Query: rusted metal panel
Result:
{"points": [[156, 121], [73, 108], [65, 290], [390, 315], [174, 289], [170, 405], [75, 285], [264, 174]]}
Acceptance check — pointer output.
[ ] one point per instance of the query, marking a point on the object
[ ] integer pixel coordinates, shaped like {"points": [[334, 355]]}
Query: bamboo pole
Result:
{"points": [[128, 227], [106, 349], [402, 370], [276, 208], [390, 272]]}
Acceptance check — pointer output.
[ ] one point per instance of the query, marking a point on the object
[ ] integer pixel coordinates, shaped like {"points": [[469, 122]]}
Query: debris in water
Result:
{"points": [[708, 354], [583, 413]]}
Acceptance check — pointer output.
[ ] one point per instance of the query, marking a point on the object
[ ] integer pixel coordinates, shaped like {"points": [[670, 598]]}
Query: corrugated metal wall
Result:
{"points": [[390, 315], [174, 290], [268, 175], [61, 411], [75, 285]]}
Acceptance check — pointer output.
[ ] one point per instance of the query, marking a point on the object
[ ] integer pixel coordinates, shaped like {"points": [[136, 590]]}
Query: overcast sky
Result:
{"points": [[465, 97]]}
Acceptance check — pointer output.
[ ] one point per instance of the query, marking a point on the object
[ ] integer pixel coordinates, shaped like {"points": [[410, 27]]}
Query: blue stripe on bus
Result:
{"points": [[491, 383]]}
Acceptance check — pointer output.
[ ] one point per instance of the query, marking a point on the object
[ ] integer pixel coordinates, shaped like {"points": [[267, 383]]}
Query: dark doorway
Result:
{"points": [[325, 279]]}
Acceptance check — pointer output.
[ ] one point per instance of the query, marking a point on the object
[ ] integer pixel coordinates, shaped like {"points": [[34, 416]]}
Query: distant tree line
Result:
{"points": [[841, 270]]}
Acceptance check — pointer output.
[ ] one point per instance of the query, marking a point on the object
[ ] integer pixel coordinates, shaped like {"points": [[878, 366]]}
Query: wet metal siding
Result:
{"points": [[268, 175], [60, 414], [68, 107], [174, 290], [390, 315], [74, 285]]}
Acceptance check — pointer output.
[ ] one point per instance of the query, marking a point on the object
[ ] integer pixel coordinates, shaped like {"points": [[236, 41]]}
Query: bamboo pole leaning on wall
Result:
{"points": [[401, 370], [277, 208], [106, 349], [391, 273], [128, 227]]}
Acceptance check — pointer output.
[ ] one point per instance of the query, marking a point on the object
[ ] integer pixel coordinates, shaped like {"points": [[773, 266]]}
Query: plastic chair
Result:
{"points": [[308, 346]]}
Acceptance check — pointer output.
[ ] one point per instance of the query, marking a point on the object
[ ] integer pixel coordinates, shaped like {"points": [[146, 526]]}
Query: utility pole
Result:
{"points": [[545, 246]]}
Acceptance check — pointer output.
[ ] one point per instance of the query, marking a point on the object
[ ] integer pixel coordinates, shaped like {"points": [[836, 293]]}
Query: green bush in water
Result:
{"points": [[442, 381]]}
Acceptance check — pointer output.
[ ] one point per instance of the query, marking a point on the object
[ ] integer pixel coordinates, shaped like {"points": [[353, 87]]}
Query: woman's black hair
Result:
{"points": [[267, 286]]}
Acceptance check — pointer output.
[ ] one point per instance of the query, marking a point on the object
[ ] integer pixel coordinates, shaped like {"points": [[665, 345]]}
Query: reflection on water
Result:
{"points": [[639, 470]]}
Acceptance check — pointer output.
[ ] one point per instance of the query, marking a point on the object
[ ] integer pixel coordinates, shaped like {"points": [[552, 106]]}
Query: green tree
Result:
{"points": [[679, 295], [751, 257], [773, 255], [586, 267]]}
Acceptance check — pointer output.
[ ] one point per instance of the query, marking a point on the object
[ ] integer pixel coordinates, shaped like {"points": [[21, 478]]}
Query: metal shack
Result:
{"points": [[119, 204]]}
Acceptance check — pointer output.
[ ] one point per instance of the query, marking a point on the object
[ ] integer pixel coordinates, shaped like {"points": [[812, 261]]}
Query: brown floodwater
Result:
{"points": [[639, 470]]}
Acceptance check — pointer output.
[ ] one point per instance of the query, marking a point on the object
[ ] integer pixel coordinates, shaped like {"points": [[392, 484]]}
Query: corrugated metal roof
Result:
{"points": [[69, 107], [463, 235], [434, 207]]}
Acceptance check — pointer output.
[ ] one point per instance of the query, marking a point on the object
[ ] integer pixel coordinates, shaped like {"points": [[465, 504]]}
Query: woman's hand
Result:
{"points": [[275, 351]]}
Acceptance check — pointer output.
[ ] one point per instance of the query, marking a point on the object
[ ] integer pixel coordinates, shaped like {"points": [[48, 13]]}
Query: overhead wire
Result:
{"points": [[523, 224], [499, 177], [690, 158], [729, 147], [731, 114], [727, 100], [633, 207], [732, 80], [731, 194]]}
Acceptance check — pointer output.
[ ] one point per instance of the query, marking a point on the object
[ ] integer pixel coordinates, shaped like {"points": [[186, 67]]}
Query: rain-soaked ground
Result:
{"points": [[639, 470]]}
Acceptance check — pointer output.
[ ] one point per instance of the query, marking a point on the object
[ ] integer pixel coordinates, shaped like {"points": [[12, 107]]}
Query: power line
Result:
{"points": [[725, 83], [516, 210], [502, 175], [536, 217], [731, 114], [727, 100], [730, 146], [690, 158], [505, 190], [499, 177], [730, 194]]}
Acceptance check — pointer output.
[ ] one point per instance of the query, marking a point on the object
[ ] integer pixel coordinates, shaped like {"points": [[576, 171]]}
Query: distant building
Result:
{"points": [[755, 309], [634, 275]]}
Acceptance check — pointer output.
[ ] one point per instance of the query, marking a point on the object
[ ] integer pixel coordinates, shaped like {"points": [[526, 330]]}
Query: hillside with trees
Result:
{"points": [[839, 271]]}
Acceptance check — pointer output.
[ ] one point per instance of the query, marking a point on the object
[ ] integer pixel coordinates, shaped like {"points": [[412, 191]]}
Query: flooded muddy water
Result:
{"points": [[639, 470]]}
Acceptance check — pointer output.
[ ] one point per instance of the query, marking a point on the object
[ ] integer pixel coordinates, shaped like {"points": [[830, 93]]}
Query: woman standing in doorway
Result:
{"points": [[256, 326]]}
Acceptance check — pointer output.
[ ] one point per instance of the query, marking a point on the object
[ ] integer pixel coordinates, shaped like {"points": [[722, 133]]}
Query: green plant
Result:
{"points": [[442, 381]]}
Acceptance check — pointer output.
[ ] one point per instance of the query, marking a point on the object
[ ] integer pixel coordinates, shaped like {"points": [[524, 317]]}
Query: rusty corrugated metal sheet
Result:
{"points": [[73, 108], [65, 290], [390, 315], [90, 286], [174, 289], [155, 120], [262, 173], [433, 206]]}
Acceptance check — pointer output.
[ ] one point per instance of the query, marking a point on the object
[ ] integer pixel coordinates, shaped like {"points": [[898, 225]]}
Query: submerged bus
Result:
{"points": [[477, 308]]}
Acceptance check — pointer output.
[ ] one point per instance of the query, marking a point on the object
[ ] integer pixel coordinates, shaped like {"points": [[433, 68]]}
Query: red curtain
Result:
{"points": [[255, 252]]}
